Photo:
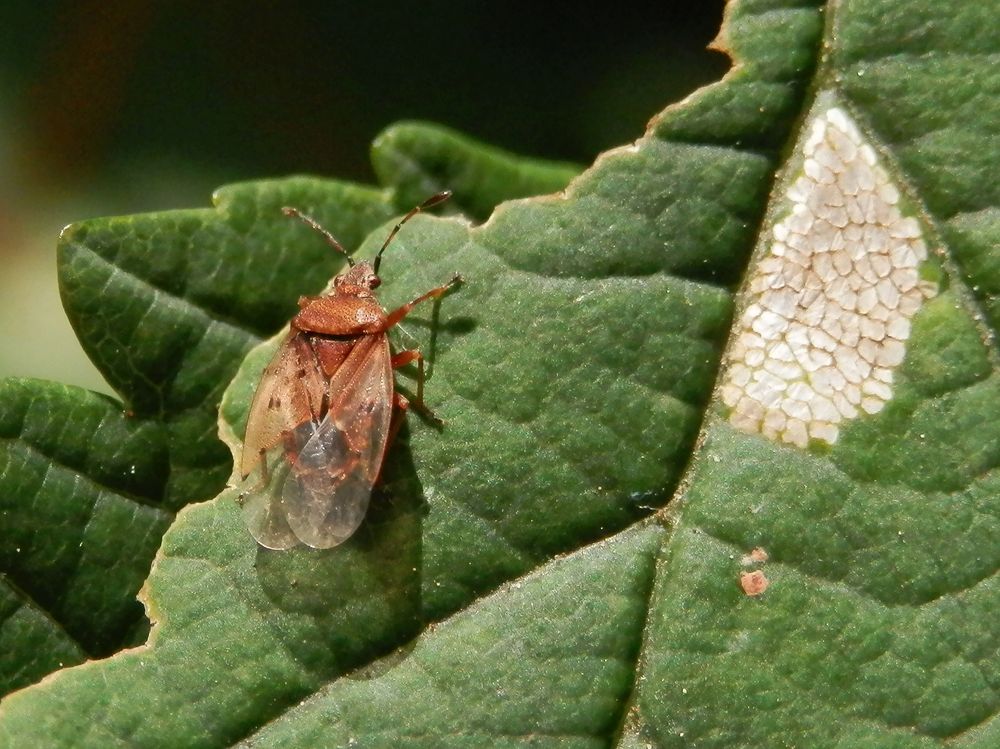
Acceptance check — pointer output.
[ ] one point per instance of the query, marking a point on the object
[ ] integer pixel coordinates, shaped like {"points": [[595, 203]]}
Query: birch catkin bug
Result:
{"points": [[326, 408]]}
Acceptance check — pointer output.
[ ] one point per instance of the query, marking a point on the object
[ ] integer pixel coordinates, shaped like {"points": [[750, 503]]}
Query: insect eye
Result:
{"points": [[374, 282]]}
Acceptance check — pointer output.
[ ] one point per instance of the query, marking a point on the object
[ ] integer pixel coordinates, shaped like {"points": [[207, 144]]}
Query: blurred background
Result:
{"points": [[119, 106]]}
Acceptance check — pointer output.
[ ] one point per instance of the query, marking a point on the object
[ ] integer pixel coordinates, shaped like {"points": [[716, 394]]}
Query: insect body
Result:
{"points": [[326, 409]]}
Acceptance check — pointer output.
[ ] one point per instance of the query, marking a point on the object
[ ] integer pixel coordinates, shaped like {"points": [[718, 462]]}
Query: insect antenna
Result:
{"points": [[431, 201], [314, 224]]}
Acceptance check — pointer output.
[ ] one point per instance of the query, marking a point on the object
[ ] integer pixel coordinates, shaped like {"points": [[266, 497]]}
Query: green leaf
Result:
{"points": [[167, 304], [87, 489], [937, 71], [497, 593], [81, 490], [565, 636], [32, 644], [421, 159]]}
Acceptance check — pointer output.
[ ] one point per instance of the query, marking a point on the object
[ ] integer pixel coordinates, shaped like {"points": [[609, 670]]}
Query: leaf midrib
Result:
{"points": [[427, 629]]}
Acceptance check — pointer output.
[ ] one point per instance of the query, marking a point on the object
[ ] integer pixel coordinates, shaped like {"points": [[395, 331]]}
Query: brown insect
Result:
{"points": [[326, 408]]}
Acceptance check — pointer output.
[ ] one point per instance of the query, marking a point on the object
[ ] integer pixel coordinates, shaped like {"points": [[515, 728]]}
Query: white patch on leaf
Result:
{"points": [[831, 301]]}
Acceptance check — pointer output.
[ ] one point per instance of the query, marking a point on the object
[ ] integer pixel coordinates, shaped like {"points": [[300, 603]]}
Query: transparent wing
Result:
{"points": [[336, 462], [263, 510], [289, 394]]}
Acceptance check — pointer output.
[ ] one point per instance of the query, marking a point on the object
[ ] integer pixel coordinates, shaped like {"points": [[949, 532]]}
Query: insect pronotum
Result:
{"points": [[326, 408]]}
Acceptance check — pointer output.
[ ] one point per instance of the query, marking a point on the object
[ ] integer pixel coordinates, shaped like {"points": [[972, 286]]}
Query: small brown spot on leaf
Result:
{"points": [[757, 556], [754, 583]]}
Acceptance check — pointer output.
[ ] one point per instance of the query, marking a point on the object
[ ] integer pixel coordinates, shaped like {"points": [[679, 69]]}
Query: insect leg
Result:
{"points": [[401, 360], [265, 476], [400, 406], [398, 314]]}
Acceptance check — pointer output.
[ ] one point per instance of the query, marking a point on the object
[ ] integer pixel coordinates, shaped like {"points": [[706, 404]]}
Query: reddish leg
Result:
{"points": [[400, 406], [401, 360], [398, 314]]}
